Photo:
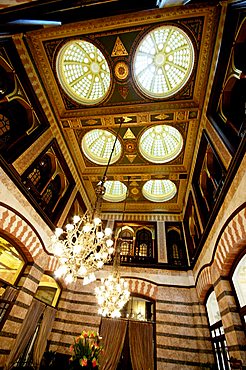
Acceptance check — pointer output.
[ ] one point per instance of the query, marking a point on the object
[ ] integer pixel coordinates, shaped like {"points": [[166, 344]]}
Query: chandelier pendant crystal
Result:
{"points": [[82, 248], [112, 295]]}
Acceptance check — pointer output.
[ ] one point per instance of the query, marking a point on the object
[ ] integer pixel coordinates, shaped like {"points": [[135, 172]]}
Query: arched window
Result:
{"points": [[138, 308], [51, 195], [239, 282], [11, 266], [175, 247], [217, 332], [126, 244], [41, 173], [4, 126], [143, 245], [11, 262], [48, 290]]}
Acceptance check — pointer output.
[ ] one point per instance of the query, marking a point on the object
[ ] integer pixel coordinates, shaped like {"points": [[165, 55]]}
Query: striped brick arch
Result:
{"points": [[142, 287], [28, 240], [230, 244]]}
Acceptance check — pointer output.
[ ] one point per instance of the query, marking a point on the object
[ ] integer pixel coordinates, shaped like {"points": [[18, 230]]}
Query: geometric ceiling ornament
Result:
{"points": [[160, 144], [162, 116], [159, 190], [121, 70], [83, 72], [163, 62], [129, 134], [123, 90], [127, 119], [97, 145], [119, 49], [131, 157]]}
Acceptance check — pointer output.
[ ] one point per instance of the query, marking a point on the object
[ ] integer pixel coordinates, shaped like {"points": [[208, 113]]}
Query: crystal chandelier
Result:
{"points": [[113, 293], [83, 246]]}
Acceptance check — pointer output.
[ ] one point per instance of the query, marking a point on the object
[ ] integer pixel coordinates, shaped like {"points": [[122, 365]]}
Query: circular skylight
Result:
{"points": [[115, 191], [83, 72], [163, 61], [159, 190], [160, 144], [97, 145]]}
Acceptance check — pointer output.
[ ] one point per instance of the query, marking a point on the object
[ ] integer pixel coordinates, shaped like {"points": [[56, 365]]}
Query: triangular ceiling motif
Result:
{"points": [[131, 157], [129, 134], [119, 48]]}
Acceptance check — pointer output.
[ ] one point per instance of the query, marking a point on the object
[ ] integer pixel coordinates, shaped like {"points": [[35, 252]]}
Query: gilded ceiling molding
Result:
{"points": [[27, 158], [37, 41], [141, 217], [121, 21]]}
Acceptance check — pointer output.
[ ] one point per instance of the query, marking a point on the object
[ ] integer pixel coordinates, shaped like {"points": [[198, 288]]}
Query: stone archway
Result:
{"points": [[31, 244], [228, 246]]}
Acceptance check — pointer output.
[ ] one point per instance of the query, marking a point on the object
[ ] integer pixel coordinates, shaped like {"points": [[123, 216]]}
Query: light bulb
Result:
{"points": [[109, 242], [82, 270], [100, 264], [87, 227], [76, 219], [58, 249], [69, 227], [58, 232], [108, 231], [100, 234], [97, 221], [77, 248], [69, 279]]}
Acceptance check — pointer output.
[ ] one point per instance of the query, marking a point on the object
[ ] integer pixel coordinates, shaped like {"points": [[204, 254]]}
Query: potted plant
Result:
{"points": [[85, 351]]}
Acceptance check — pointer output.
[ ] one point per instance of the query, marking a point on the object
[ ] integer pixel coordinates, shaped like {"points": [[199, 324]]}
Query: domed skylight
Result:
{"points": [[159, 190], [83, 72], [115, 191], [163, 61], [97, 146], [160, 144]]}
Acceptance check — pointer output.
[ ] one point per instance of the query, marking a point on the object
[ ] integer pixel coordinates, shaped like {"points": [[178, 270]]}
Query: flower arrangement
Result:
{"points": [[85, 351]]}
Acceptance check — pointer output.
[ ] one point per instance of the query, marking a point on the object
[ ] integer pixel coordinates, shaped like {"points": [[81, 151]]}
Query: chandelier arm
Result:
{"points": [[100, 189]]}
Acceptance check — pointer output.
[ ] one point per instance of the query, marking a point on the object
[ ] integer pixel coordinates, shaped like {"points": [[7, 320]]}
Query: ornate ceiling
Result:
{"points": [[118, 38]]}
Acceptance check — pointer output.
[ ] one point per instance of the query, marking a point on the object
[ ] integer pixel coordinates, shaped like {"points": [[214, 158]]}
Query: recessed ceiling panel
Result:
{"points": [[83, 72], [97, 145], [159, 190], [115, 191], [163, 62], [160, 144]]}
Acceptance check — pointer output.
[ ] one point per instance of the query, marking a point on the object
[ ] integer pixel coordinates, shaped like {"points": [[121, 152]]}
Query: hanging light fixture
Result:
{"points": [[113, 293], [83, 246]]}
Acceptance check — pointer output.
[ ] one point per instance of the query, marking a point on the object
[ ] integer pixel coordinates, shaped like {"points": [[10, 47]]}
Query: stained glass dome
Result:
{"points": [[83, 72], [160, 144], [163, 61], [115, 191], [97, 145], [159, 190]]}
